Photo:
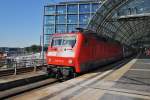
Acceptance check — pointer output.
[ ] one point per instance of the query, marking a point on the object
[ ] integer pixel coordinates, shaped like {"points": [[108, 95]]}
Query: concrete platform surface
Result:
{"points": [[129, 82]]}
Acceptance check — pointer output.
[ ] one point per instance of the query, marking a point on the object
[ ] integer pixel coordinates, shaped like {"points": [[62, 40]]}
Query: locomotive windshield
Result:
{"points": [[64, 41]]}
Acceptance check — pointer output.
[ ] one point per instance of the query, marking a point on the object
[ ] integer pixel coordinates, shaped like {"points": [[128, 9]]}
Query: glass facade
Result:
{"points": [[72, 9], [49, 29], [49, 20], [84, 18], [60, 19], [67, 17], [71, 28], [72, 19], [60, 28], [50, 10], [82, 25], [84, 8], [61, 9]]}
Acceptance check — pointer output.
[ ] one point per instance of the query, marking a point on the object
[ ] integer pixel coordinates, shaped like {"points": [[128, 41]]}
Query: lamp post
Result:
{"points": [[43, 37], [40, 46]]}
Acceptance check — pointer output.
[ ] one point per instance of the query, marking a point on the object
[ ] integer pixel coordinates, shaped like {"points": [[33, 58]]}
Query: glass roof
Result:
{"points": [[126, 21]]}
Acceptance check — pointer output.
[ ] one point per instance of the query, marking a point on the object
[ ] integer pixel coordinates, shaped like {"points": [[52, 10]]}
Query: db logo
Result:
{"points": [[59, 61]]}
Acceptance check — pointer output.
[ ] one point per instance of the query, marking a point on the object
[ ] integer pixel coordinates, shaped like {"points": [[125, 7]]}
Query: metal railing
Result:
{"points": [[14, 65]]}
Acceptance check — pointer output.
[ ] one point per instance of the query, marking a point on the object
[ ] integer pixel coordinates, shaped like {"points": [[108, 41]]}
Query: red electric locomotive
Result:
{"points": [[73, 53]]}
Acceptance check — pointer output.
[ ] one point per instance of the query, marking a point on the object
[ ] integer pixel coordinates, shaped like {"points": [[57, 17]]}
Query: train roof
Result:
{"points": [[65, 34]]}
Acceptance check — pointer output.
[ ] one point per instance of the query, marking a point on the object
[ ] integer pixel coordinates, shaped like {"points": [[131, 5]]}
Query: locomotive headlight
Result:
{"points": [[70, 61], [49, 59]]}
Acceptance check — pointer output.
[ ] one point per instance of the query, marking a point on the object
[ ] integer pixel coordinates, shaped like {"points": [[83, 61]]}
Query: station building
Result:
{"points": [[12, 51], [66, 16]]}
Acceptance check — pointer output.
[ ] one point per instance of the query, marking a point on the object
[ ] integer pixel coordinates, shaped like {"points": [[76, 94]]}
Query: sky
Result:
{"points": [[21, 22]]}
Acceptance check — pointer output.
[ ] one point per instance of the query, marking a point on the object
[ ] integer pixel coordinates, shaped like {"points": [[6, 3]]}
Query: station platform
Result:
{"points": [[130, 81], [11, 81]]}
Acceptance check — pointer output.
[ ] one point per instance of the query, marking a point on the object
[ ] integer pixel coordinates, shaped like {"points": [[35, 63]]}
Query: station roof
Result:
{"points": [[127, 21]]}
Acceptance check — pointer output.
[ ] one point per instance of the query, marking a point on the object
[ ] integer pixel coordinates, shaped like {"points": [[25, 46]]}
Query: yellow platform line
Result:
{"points": [[129, 93], [146, 70], [116, 75]]}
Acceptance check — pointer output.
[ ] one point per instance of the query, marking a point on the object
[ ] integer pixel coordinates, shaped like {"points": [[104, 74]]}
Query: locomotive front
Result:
{"points": [[61, 55]]}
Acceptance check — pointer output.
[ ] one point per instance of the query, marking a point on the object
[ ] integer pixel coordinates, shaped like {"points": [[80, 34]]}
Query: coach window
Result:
{"points": [[86, 42]]}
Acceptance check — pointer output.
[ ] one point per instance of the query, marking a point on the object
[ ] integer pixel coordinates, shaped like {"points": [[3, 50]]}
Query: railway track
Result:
{"points": [[20, 89], [21, 85], [19, 70]]}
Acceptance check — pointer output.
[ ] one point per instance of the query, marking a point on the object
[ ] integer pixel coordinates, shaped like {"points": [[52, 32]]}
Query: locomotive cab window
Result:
{"points": [[56, 41], [69, 41], [64, 41]]}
